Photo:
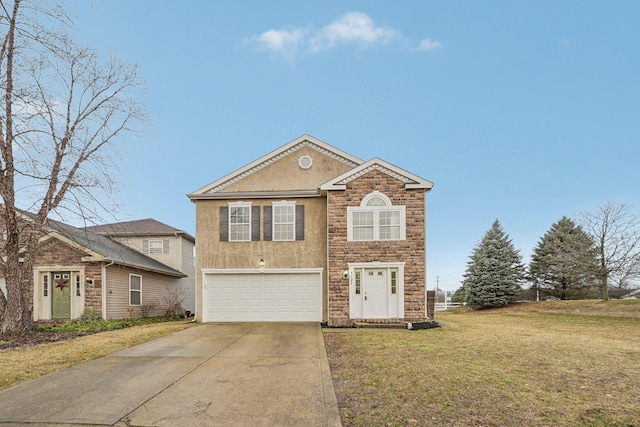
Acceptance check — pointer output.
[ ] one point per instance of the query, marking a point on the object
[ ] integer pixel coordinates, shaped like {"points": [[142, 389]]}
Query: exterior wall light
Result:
{"points": [[261, 263], [345, 274]]}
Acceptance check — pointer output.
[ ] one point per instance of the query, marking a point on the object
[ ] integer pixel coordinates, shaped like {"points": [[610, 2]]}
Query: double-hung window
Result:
{"points": [[240, 222], [135, 290], [376, 219], [284, 221], [156, 246]]}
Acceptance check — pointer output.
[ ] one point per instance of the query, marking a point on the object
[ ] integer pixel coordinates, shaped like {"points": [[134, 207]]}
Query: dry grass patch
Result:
{"points": [[27, 363], [491, 368]]}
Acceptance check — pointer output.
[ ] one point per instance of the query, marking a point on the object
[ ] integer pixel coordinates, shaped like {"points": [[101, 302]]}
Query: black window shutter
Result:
{"points": [[255, 223], [299, 222], [267, 223], [224, 223]]}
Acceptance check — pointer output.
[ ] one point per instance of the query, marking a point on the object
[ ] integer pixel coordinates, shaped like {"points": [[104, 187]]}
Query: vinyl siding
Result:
{"points": [[156, 289]]}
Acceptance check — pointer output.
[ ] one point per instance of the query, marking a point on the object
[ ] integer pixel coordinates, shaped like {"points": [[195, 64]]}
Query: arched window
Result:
{"points": [[376, 219]]}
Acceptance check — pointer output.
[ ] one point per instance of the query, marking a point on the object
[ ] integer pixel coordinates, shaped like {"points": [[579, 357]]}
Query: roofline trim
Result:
{"points": [[302, 141], [411, 181], [256, 195]]}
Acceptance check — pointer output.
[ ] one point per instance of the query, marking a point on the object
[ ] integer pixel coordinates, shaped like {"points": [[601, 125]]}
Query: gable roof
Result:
{"points": [[102, 248], [141, 227], [209, 190], [410, 180]]}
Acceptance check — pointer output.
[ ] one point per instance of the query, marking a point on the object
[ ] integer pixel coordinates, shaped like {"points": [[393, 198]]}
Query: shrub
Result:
{"points": [[88, 316]]}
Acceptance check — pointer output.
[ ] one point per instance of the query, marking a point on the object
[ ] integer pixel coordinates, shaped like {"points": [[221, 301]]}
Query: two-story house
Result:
{"points": [[168, 245], [309, 232]]}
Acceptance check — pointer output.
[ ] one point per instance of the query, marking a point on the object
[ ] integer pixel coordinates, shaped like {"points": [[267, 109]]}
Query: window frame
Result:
{"points": [[375, 211], [155, 249], [139, 291], [275, 206], [247, 233]]}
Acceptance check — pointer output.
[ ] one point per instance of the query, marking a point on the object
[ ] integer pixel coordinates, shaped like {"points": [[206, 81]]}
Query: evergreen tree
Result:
{"points": [[494, 271], [459, 295], [563, 263]]}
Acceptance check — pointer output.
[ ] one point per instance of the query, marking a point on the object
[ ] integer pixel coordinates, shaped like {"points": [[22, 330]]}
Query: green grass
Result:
{"points": [[525, 365], [26, 363]]}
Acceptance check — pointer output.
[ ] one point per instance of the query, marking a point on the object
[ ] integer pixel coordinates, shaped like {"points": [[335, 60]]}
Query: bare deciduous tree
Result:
{"points": [[615, 229], [64, 110]]}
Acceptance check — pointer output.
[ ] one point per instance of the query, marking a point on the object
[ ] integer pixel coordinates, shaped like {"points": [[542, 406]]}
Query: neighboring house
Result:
{"points": [[311, 233], [77, 269], [171, 246], [632, 294]]}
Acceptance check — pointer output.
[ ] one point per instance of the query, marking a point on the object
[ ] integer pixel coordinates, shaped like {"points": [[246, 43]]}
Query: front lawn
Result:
{"points": [[519, 366], [28, 362]]}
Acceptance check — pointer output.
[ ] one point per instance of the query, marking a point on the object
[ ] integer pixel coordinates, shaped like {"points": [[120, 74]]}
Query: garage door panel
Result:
{"points": [[263, 297]]}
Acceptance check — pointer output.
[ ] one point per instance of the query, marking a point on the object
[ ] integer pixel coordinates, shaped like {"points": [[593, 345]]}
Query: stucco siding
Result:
{"points": [[278, 175], [213, 253]]}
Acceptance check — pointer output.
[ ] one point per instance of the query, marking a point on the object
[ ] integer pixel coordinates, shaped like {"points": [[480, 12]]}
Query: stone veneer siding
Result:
{"points": [[411, 251], [59, 256]]}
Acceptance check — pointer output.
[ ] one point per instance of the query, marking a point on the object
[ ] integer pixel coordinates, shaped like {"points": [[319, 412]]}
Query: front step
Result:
{"points": [[401, 325]]}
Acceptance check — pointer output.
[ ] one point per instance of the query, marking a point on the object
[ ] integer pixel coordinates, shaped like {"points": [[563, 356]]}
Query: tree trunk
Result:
{"points": [[605, 287]]}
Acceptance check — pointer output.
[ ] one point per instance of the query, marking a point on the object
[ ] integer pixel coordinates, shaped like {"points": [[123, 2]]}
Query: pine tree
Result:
{"points": [[494, 271], [564, 261]]}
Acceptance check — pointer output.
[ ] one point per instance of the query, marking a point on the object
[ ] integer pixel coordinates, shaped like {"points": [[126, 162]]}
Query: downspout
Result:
{"points": [[195, 291], [104, 289], [327, 258], [426, 293]]}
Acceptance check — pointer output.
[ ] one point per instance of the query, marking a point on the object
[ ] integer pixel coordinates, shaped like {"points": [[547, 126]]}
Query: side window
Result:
{"points": [[135, 290], [45, 285]]}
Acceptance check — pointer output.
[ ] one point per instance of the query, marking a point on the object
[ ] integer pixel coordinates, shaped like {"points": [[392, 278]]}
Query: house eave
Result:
{"points": [[139, 267], [256, 195], [411, 181]]}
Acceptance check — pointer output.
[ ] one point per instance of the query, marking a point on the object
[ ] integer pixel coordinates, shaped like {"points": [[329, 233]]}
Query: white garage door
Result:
{"points": [[266, 297]]}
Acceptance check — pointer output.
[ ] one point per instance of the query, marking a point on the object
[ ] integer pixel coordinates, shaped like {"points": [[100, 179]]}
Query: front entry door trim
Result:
{"points": [[376, 290]]}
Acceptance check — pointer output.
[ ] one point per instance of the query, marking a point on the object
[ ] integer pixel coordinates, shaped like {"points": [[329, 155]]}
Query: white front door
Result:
{"points": [[376, 290], [376, 294]]}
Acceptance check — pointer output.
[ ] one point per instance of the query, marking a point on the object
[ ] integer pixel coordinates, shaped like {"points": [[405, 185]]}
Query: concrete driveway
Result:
{"points": [[224, 374]]}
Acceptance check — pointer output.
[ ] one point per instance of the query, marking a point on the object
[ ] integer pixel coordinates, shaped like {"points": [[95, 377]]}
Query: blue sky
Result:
{"points": [[518, 111]]}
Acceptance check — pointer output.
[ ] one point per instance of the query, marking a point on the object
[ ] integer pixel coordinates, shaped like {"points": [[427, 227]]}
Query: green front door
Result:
{"points": [[61, 295]]}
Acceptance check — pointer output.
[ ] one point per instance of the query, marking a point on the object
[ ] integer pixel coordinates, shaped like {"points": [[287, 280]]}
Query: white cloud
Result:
{"points": [[428, 44], [354, 27], [285, 43], [350, 28]]}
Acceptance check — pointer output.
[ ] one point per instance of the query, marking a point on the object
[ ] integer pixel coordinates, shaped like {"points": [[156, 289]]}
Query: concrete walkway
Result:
{"points": [[231, 374]]}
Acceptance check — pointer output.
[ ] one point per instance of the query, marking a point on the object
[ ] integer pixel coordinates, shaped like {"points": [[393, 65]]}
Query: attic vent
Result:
{"points": [[305, 162]]}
